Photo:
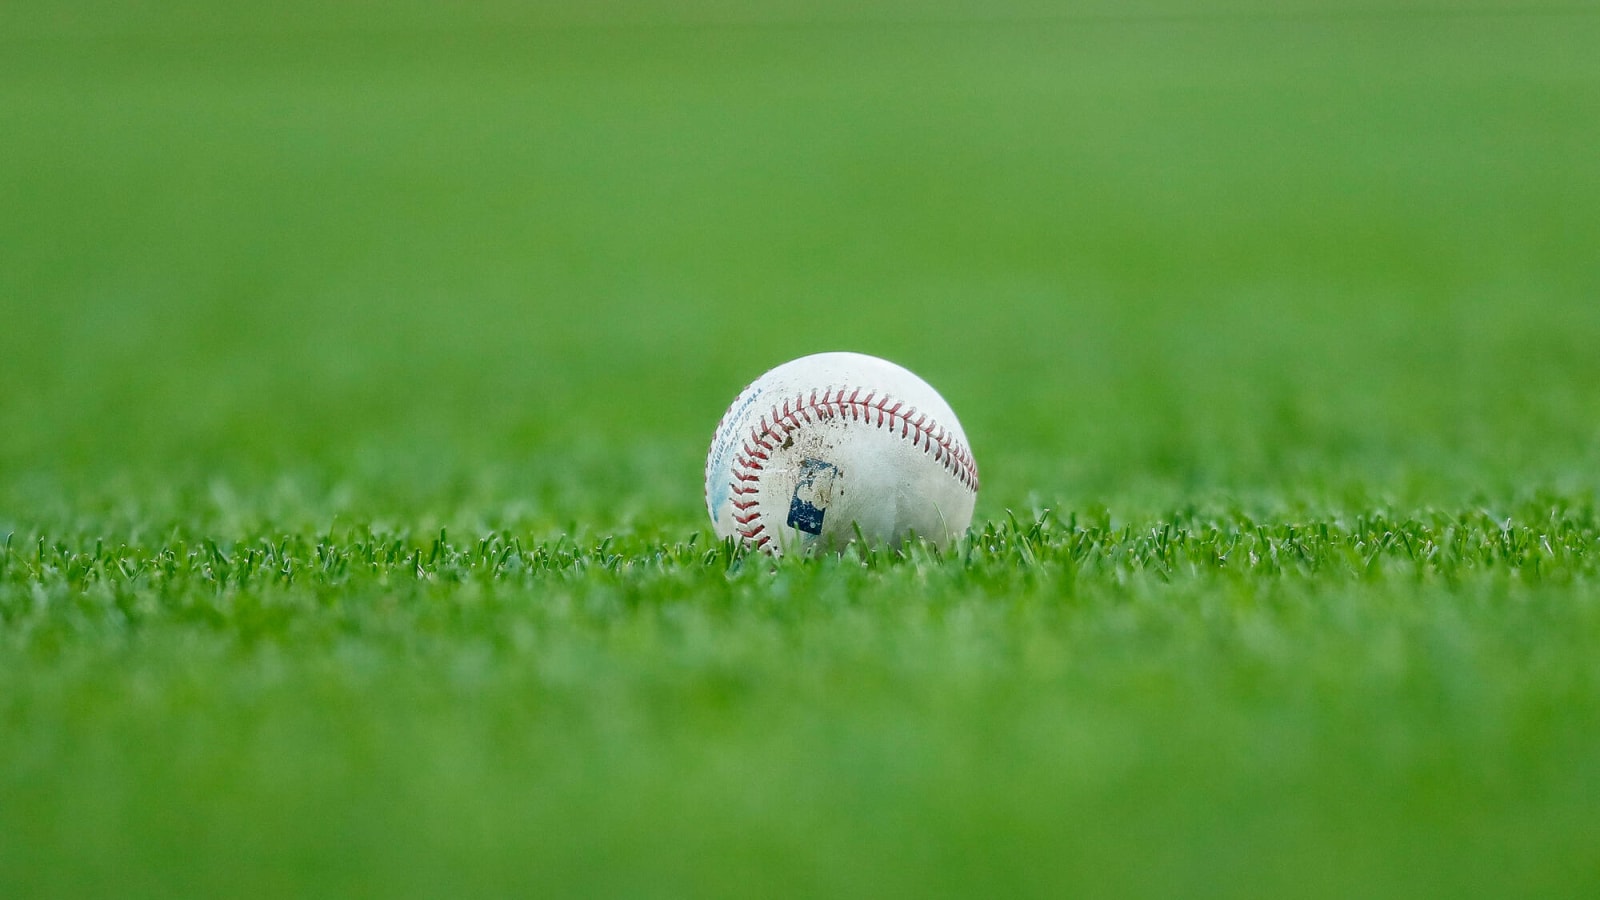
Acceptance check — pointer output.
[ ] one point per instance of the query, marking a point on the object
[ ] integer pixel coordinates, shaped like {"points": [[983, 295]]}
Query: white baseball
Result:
{"points": [[826, 444]]}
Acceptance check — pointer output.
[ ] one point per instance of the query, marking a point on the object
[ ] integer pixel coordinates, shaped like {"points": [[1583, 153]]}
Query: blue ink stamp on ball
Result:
{"points": [[812, 494]]}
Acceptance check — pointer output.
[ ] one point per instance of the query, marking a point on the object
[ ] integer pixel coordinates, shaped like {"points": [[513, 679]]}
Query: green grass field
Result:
{"points": [[357, 367]]}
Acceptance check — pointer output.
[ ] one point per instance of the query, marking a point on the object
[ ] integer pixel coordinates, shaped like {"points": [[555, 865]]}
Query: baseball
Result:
{"points": [[827, 444]]}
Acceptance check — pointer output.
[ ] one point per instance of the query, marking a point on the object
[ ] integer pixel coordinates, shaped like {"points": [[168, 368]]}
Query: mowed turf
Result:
{"points": [[356, 372]]}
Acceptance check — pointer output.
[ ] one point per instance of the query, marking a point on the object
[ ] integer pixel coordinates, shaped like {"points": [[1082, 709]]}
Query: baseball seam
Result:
{"points": [[879, 411]]}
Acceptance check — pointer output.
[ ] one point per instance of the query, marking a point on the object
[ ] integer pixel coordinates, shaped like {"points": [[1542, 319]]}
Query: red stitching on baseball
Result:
{"points": [[953, 456], [756, 533]]}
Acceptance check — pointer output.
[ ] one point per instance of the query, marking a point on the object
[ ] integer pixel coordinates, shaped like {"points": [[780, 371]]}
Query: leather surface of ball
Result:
{"points": [[826, 446]]}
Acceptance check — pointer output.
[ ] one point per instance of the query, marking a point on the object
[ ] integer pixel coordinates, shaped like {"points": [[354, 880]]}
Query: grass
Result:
{"points": [[356, 373]]}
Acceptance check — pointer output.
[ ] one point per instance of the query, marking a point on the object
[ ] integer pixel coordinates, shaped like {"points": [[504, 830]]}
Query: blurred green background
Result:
{"points": [[490, 266], [1146, 253]]}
